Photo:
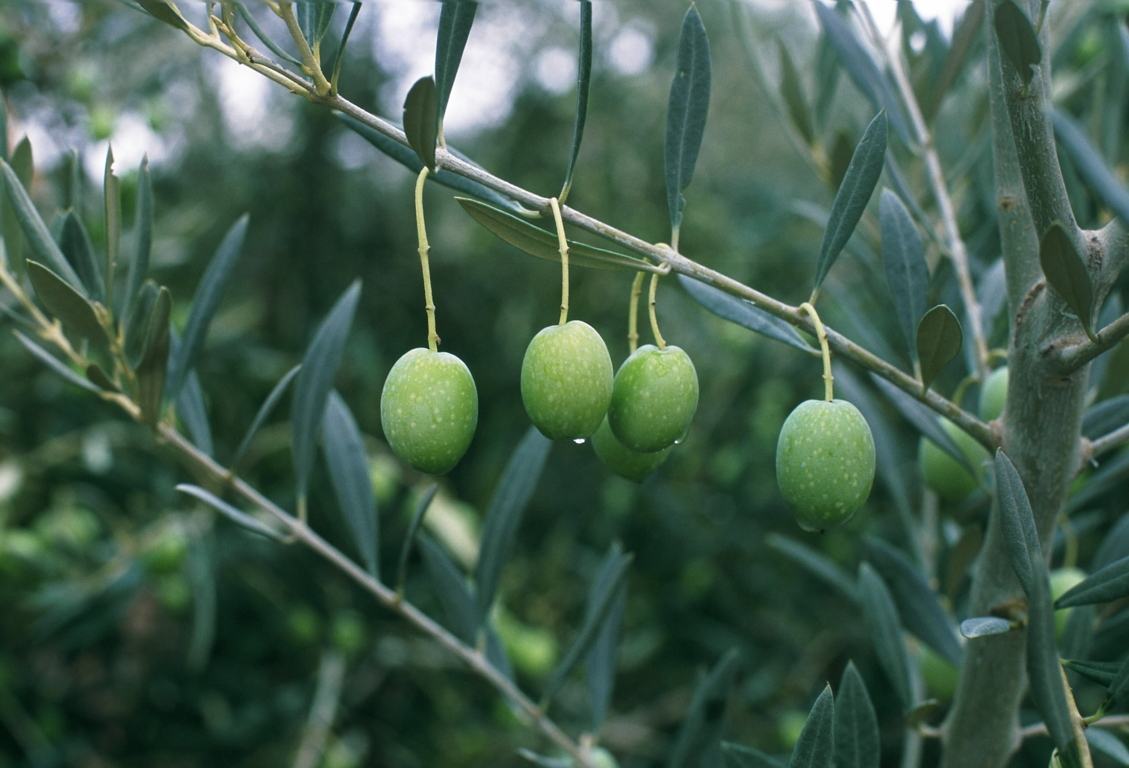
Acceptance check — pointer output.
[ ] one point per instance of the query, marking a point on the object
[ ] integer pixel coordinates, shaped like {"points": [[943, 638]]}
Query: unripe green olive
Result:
{"points": [[1062, 581], [946, 476], [566, 380], [825, 462], [654, 398], [993, 394], [429, 410], [622, 460]]}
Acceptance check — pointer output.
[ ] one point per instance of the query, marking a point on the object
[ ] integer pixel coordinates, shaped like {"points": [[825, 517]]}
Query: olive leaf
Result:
{"points": [[75, 244], [38, 237], [1066, 272], [907, 274], [856, 739], [455, 21], [54, 363], [241, 519], [982, 626], [166, 12], [793, 92], [939, 339], [422, 506], [885, 630], [854, 193], [583, 81], [67, 304], [1108, 584], [704, 719], [314, 19], [745, 314], [153, 366], [264, 413], [815, 748], [687, 108], [737, 756], [421, 120], [1101, 672], [112, 199], [1017, 39], [143, 239], [349, 475], [544, 244]]}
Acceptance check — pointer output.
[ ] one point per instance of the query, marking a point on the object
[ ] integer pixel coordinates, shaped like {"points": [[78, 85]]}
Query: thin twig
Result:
{"points": [[1040, 729], [1074, 357], [1109, 441]]}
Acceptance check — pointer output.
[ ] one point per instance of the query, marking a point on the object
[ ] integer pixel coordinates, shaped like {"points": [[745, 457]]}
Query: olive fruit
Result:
{"points": [[566, 380], [1062, 581], [429, 409], [654, 398], [622, 460], [993, 394], [946, 476], [825, 462]]}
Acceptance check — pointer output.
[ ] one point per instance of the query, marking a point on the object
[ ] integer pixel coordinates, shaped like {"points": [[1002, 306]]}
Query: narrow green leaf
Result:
{"points": [[3, 130], [966, 35], [939, 339], [143, 242], [339, 57], [137, 325], [112, 197], [923, 418], [406, 157], [166, 12], [1114, 546], [421, 120], [907, 273], [74, 185], [100, 379], [1106, 416], [348, 465], [583, 81], [24, 166], [455, 21], [1090, 165], [451, 588], [38, 237], [793, 92], [600, 601], [600, 664], [315, 380], [816, 562], [736, 756], [857, 744], [920, 610], [816, 746], [314, 19], [1108, 744], [544, 244], [190, 406], [231, 513], [1108, 584], [1101, 672], [701, 728], [1079, 633], [686, 112], [410, 537], [1044, 670], [1119, 688], [153, 367], [264, 413], [205, 303], [264, 37], [982, 626], [68, 305], [503, 516], [54, 363], [1017, 39], [744, 314], [854, 193], [862, 69], [1066, 272], [75, 244], [885, 630], [546, 762]]}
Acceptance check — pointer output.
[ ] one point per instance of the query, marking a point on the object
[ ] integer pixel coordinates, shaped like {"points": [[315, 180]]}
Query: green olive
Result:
{"points": [[622, 460], [993, 394], [654, 398], [946, 476], [429, 410], [566, 380], [825, 462]]}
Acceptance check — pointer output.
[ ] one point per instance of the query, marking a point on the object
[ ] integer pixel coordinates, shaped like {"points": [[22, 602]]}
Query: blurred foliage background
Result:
{"points": [[139, 630]]}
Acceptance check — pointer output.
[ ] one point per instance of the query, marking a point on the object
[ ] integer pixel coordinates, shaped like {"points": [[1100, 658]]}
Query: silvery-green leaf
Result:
{"points": [[744, 314], [348, 466], [314, 19], [54, 363], [982, 626], [239, 518], [737, 756], [112, 200], [816, 562], [451, 588], [816, 746], [67, 304], [1017, 39], [410, 537], [1090, 165], [939, 339], [907, 273], [600, 664], [143, 242], [701, 728], [857, 743], [885, 629], [153, 366], [1066, 272], [166, 12], [793, 92], [687, 108], [1108, 744], [1108, 584], [455, 21], [1101, 672], [36, 232], [79, 251], [264, 413]]}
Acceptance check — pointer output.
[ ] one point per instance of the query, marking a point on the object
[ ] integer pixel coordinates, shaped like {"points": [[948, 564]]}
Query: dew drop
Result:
{"points": [[579, 441], [679, 440]]}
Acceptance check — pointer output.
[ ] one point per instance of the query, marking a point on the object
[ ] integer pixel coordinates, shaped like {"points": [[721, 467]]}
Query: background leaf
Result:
{"points": [[421, 120], [264, 413], [687, 109], [745, 314], [737, 756], [816, 746], [422, 506], [885, 630], [1017, 39], [348, 465], [241, 519], [701, 727], [314, 19], [793, 92], [853, 195], [1108, 584], [451, 588], [600, 663], [923, 418], [857, 743], [152, 369], [38, 237], [1108, 744], [503, 516], [455, 21], [67, 304], [112, 202], [1066, 272], [54, 363], [143, 239], [205, 303], [939, 339], [315, 380], [907, 273], [1090, 166], [75, 244]]}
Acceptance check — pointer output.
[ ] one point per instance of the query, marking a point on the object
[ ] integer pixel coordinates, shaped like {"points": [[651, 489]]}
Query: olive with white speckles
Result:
{"points": [[429, 410], [825, 462], [620, 459], [654, 398], [566, 380]]}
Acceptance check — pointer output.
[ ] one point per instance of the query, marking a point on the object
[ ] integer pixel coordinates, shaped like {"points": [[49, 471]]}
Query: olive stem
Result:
{"points": [[824, 347], [421, 232], [654, 319], [563, 244], [633, 313]]}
